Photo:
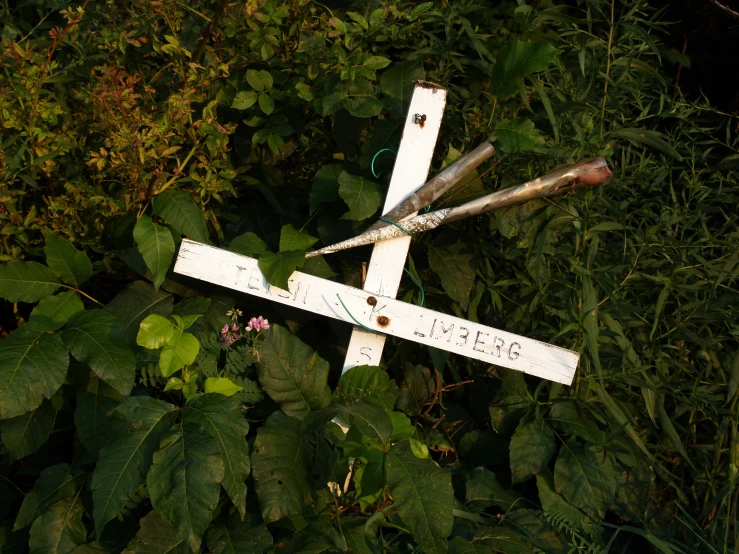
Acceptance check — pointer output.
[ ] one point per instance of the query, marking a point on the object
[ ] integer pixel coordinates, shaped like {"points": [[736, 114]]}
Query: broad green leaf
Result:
{"points": [[124, 462], [248, 244], [419, 449], [423, 495], [360, 195], [25, 434], [397, 82], [277, 268], [135, 302], [95, 338], [259, 79], [54, 311], [515, 60], [69, 264], [93, 420], [244, 100], [367, 383], [185, 479], [317, 266], [181, 350], [415, 389], [239, 537], [26, 281], [280, 468], [221, 385], [55, 483], [370, 421], [222, 417], [156, 536], [402, 427], [59, 530], [33, 365], [357, 97], [180, 211], [553, 502], [325, 186], [292, 239], [455, 266], [532, 445], [566, 417], [89, 548], [458, 545], [585, 478], [267, 105], [292, 374], [376, 62], [517, 135], [156, 245], [155, 332], [483, 490]]}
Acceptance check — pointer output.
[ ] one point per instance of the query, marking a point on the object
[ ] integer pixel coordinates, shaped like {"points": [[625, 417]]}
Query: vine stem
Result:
{"points": [[608, 66], [84, 294]]}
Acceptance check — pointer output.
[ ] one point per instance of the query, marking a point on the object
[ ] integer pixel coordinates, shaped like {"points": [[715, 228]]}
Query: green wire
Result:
{"points": [[353, 318], [372, 165], [418, 283], [398, 225]]}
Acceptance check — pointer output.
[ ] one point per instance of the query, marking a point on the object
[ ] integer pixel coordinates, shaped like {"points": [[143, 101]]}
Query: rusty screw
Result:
{"points": [[419, 119], [383, 321], [372, 301]]}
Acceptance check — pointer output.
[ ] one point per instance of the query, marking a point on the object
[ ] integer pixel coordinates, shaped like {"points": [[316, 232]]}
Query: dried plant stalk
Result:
{"points": [[587, 173]]}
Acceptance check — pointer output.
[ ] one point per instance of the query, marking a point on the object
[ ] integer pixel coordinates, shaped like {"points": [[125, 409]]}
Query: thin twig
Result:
{"points": [[206, 35], [725, 8], [436, 392], [608, 66]]}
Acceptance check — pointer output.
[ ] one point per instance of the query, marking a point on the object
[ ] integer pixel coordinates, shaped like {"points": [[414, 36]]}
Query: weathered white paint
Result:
{"points": [[404, 320], [409, 174]]}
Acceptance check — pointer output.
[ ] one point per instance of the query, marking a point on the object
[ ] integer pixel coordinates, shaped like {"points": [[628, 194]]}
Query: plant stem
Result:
{"points": [[84, 294], [608, 67], [179, 170]]}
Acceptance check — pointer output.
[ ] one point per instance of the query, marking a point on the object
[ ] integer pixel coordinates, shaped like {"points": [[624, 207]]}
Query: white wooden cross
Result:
{"points": [[375, 306]]}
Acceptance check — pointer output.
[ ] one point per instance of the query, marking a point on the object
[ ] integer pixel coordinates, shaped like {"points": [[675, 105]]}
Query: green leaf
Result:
{"points": [[33, 365], [69, 264], [515, 60], [357, 97], [222, 417], [397, 82], [181, 350], [156, 245], [585, 478], [423, 496], [156, 536], [376, 62], [532, 445], [553, 502], [124, 462], [259, 79], [368, 420], [221, 385], [55, 483], [458, 545], [277, 268], [566, 417], [317, 266], [402, 427], [239, 537], [134, 303], [26, 282], [155, 332], [360, 195], [244, 100], [325, 186], [266, 104], [95, 338], [292, 374], [280, 468], [180, 211], [455, 266], [419, 449], [25, 434], [93, 420], [54, 311], [59, 530], [517, 135], [483, 490], [292, 239], [185, 479], [248, 244], [653, 139], [369, 384]]}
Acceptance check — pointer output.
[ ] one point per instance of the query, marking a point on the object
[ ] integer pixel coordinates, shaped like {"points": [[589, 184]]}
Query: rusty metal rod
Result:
{"points": [[436, 187], [587, 173]]}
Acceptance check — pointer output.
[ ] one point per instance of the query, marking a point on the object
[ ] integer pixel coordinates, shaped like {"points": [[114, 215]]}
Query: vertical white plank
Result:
{"points": [[410, 172]]}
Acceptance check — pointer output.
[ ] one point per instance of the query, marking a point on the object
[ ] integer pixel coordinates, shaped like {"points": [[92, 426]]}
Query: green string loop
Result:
{"points": [[418, 283], [372, 165], [353, 318], [398, 225]]}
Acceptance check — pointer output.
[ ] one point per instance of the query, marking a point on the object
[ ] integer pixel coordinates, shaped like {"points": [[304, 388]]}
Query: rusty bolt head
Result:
{"points": [[383, 321], [372, 301]]}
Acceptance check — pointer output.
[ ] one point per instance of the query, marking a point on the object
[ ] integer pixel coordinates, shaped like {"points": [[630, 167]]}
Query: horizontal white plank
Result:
{"points": [[406, 321]]}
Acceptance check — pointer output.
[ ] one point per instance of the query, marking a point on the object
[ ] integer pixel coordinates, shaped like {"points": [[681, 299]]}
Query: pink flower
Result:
{"points": [[225, 329], [257, 324], [234, 327]]}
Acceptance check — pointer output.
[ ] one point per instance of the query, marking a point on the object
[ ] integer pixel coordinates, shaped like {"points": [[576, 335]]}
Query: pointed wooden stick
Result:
{"points": [[587, 173]]}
